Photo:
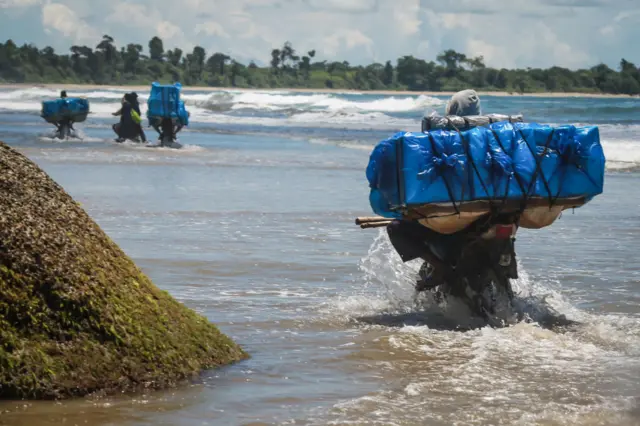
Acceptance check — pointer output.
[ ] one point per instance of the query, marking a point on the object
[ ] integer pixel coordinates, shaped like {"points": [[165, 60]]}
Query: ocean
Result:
{"points": [[252, 225]]}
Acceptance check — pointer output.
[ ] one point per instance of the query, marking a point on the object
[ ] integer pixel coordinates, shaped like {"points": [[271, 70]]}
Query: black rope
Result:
{"points": [[399, 171], [472, 189], [564, 173], [465, 144], [506, 192], [538, 169], [577, 166], [446, 183], [520, 184]]}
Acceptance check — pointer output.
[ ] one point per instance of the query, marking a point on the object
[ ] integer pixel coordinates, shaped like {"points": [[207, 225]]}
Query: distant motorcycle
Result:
{"points": [[63, 129], [167, 132], [63, 113]]}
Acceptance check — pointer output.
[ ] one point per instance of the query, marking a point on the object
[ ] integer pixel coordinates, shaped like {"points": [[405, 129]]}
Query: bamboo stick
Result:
{"points": [[374, 224], [367, 219]]}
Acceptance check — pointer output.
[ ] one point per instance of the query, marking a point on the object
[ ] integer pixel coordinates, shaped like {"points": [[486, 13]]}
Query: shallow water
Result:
{"points": [[251, 224]]}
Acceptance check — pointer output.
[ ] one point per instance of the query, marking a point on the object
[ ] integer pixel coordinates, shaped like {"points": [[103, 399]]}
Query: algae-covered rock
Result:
{"points": [[76, 314]]}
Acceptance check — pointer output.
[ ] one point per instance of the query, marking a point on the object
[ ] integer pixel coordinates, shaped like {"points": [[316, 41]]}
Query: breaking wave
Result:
{"points": [[226, 101]]}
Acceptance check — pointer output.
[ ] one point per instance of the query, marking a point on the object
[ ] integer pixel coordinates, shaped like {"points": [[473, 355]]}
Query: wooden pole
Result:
{"points": [[374, 224], [367, 219]]}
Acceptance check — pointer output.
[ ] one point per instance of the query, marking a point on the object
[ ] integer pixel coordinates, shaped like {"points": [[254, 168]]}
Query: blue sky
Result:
{"points": [[508, 33]]}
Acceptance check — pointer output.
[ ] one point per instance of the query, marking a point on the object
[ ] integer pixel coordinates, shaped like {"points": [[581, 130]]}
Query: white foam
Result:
{"points": [[328, 102], [312, 119], [621, 154], [41, 94], [519, 368]]}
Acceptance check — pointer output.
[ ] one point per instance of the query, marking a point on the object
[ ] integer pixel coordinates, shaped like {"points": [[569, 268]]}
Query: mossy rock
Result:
{"points": [[77, 316]]}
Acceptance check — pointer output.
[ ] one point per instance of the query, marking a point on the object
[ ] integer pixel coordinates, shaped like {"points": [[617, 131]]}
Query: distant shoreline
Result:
{"points": [[139, 88]]}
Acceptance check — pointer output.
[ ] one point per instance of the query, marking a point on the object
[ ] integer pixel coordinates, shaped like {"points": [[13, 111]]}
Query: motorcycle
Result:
{"points": [[167, 130], [64, 129], [474, 265]]}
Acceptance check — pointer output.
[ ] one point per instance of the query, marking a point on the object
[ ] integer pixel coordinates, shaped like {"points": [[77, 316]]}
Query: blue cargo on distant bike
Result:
{"points": [[164, 102], [73, 109]]}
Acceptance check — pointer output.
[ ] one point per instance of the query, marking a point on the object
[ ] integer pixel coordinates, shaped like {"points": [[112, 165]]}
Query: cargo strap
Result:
{"points": [[465, 144], [570, 160], [538, 169], [525, 192], [515, 174], [446, 183]]}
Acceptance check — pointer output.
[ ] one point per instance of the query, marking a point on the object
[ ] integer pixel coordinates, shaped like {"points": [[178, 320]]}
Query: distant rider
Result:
{"points": [[127, 128], [136, 106], [166, 127], [66, 121]]}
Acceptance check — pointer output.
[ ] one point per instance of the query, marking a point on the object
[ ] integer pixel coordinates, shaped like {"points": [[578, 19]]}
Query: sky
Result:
{"points": [[507, 33]]}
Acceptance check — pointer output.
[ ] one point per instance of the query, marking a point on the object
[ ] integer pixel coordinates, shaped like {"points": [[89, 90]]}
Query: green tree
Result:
{"points": [[174, 56], [131, 57], [216, 63], [156, 49], [275, 59], [452, 61], [388, 74], [108, 49], [451, 70]]}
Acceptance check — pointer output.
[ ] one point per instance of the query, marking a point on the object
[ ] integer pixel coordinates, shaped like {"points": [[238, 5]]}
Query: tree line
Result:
{"points": [[451, 71]]}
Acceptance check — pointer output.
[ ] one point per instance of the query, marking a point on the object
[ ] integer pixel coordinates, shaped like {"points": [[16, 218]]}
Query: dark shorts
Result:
{"points": [[125, 131], [412, 241]]}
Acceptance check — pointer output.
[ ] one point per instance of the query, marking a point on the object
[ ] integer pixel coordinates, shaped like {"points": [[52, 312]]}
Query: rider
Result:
{"points": [[136, 106], [127, 128], [464, 103], [412, 240], [65, 121], [166, 126]]}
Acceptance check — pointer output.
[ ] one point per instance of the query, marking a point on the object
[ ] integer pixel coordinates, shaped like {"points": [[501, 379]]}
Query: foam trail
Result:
{"points": [[386, 288], [621, 154]]}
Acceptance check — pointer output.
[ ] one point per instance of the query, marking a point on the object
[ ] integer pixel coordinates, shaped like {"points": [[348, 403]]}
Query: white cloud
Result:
{"points": [[64, 20], [490, 52], [451, 21], [406, 16], [344, 5], [335, 42], [6, 4], [610, 29], [135, 15], [607, 30], [167, 30], [211, 28], [512, 33]]}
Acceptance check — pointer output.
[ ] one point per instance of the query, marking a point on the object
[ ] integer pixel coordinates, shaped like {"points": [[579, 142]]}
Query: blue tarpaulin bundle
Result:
{"points": [[183, 114], [74, 109], [164, 102], [499, 162]]}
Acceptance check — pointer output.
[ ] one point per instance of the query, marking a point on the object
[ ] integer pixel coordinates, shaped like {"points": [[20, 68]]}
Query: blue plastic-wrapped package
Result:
{"points": [[496, 163], [438, 163], [183, 114], [512, 162], [577, 157], [164, 102], [74, 109], [383, 177]]}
